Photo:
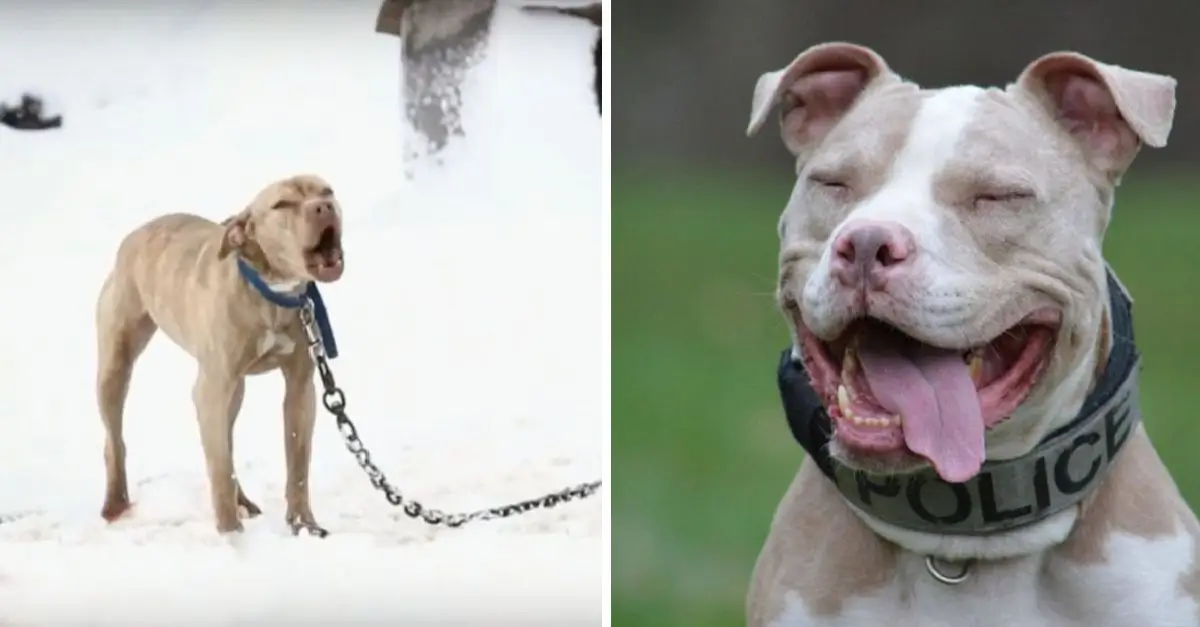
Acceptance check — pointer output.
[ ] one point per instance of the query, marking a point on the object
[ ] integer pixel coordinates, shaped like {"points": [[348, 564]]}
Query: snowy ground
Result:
{"points": [[470, 319]]}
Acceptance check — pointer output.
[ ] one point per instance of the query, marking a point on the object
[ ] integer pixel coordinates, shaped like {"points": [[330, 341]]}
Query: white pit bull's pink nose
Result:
{"points": [[869, 252]]}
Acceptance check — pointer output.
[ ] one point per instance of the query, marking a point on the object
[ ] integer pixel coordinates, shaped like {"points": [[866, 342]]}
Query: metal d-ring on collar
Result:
{"points": [[964, 572]]}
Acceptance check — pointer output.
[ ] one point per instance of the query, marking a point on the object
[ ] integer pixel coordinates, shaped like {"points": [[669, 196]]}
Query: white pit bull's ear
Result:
{"points": [[238, 230], [816, 90], [1109, 110]]}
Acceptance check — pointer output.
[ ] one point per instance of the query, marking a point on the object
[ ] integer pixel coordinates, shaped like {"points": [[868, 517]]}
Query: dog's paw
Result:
{"points": [[227, 527], [305, 524], [114, 510], [313, 530], [247, 510]]}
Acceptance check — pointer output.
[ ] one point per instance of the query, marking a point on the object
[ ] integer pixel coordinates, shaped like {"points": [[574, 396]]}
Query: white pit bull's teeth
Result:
{"points": [[863, 421], [843, 399], [975, 367]]}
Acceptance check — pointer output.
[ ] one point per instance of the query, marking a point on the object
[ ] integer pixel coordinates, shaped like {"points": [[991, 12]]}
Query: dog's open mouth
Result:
{"points": [[890, 395], [324, 260]]}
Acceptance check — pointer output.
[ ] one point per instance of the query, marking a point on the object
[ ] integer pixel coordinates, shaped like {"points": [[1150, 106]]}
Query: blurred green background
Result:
{"points": [[701, 452]]}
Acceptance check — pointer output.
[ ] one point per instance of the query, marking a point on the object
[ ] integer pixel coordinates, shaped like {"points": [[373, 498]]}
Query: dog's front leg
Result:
{"points": [[217, 395], [299, 414]]}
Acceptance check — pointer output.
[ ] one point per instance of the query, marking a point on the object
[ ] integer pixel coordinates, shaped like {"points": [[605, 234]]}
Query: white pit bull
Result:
{"points": [[965, 375]]}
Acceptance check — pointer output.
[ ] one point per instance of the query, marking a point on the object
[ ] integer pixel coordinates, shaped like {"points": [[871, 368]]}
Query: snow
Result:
{"points": [[471, 319]]}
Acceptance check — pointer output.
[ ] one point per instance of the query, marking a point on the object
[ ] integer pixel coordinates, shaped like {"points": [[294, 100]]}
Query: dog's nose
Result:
{"points": [[322, 211], [872, 251]]}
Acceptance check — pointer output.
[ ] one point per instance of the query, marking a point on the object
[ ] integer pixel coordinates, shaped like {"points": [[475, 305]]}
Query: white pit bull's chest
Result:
{"points": [[1138, 585], [275, 340], [273, 346]]}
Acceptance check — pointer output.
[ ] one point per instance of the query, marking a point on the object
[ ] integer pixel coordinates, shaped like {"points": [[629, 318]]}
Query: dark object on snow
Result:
{"points": [[28, 116]]}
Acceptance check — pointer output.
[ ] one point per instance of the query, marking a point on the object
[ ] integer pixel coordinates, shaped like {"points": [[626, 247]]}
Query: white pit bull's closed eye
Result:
{"points": [[952, 314]]}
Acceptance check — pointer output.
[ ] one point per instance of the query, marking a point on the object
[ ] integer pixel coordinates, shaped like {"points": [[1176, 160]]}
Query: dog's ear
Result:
{"points": [[239, 229], [1109, 111], [816, 90]]}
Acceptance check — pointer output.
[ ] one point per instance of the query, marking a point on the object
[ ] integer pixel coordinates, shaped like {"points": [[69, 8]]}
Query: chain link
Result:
{"points": [[334, 400]]}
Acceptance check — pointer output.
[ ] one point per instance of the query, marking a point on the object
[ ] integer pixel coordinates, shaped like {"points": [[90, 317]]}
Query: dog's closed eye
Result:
{"points": [[832, 183], [284, 203], [1003, 196]]}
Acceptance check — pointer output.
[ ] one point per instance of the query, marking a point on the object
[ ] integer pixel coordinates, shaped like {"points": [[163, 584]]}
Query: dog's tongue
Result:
{"points": [[931, 389]]}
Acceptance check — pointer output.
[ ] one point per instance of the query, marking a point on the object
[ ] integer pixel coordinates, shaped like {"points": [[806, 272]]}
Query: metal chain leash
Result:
{"points": [[334, 400]]}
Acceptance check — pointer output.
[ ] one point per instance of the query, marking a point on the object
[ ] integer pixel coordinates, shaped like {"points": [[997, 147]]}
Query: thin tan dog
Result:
{"points": [[179, 273]]}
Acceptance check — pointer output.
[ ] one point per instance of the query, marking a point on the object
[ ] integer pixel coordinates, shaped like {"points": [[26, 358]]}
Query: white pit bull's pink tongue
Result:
{"points": [[931, 389]]}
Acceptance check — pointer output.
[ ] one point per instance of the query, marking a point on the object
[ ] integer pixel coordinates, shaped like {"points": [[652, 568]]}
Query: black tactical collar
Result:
{"points": [[1058, 473]]}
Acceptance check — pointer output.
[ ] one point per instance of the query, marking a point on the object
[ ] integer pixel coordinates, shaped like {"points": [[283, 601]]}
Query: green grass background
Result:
{"points": [[701, 453]]}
